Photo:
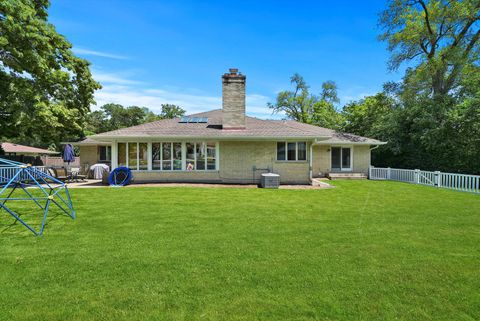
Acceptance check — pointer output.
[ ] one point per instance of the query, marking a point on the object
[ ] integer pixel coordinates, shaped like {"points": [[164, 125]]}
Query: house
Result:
{"points": [[11, 149], [227, 146], [25, 154]]}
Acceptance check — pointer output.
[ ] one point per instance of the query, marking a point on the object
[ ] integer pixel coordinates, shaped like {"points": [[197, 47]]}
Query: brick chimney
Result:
{"points": [[233, 100]]}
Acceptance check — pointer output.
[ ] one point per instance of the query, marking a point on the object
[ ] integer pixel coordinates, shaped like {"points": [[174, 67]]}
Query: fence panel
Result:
{"points": [[7, 172], [459, 182]]}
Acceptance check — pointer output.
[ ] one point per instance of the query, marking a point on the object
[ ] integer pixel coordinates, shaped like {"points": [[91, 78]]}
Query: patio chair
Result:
{"points": [[61, 174], [51, 172], [76, 174]]}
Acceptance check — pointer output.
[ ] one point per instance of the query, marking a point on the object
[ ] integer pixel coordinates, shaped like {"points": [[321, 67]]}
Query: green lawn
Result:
{"points": [[364, 250]]}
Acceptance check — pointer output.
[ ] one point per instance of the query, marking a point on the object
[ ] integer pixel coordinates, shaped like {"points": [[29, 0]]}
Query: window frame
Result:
{"points": [[183, 156], [296, 160], [342, 169], [108, 153]]}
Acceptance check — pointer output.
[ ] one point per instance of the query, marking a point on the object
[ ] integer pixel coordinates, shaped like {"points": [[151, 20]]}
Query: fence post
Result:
{"points": [[370, 170], [389, 172], [417, 176], [438, 178]]}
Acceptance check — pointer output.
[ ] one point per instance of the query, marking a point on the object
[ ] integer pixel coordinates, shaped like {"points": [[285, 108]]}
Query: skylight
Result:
{"points": [[186, 119]]}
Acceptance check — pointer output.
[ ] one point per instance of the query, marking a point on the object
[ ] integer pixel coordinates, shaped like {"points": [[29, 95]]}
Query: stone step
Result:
{"points": [[321, 182], [333, 176]]}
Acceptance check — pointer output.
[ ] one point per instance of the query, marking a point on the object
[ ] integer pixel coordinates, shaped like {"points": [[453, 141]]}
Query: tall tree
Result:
{"points": [[45, 90], [369, 116], [171, 111], [299, 104], [441, 35]]}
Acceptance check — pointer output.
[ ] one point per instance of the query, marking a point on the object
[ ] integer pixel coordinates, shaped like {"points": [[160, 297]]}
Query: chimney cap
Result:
{"points": [[233, 71]]}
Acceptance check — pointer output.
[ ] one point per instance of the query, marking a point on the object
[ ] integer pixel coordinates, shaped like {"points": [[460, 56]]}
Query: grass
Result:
{"points": [[364, 250]]}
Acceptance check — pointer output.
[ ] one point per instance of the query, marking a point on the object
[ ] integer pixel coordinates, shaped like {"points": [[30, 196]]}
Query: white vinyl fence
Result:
{"points": [[459, 182], [7, 172]]}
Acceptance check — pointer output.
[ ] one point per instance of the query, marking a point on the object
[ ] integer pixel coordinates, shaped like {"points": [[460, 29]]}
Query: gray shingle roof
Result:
{"points": [[255, 129]]}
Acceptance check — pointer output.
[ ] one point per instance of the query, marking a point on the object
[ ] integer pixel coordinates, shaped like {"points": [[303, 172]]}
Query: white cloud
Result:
{"points": [[121, 90], [88, 52], [112, 78]]}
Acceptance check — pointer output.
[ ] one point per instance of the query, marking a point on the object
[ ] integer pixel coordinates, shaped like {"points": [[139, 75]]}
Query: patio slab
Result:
{"points": [[98, 183]]}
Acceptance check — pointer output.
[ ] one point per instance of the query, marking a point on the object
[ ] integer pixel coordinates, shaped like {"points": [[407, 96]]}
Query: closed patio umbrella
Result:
{"points": [[68, 154]]}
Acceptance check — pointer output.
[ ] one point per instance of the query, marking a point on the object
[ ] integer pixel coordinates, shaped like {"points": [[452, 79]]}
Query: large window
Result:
{"points": [[169, 156], [291, 151], [156, 156], [105, 153], [122, 154], [142, 156], [132, 155], [201, 156], [211, 156], [177, 156]]}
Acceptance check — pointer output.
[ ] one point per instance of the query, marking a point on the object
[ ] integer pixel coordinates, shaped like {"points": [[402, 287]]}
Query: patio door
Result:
{"points": [[341, 158]]}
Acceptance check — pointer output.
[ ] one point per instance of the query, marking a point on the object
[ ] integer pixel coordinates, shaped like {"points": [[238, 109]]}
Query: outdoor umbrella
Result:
{"points": [[68, 154]]}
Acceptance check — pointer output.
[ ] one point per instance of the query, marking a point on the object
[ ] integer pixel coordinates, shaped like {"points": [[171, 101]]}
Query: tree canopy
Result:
{"points": [[299, 104], [430, 119], [441, 36], [114, 116], [45, 90]]}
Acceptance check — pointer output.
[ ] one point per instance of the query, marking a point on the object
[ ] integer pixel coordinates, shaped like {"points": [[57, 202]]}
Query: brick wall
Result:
{"points": [[322, 162], [233, 100], [88, 155], [177, 176], [361, 159], [237, 160]]}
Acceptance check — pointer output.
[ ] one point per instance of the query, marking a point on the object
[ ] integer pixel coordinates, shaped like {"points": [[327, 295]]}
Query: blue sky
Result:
{"points": [[147, 53]]}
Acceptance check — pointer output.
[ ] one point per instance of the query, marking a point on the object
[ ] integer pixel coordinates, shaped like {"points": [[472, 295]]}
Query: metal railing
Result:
{"points": [[459, 182]]}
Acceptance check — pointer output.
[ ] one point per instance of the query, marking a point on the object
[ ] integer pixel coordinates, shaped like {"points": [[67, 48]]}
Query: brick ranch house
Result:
{"points": [[226, 146]]}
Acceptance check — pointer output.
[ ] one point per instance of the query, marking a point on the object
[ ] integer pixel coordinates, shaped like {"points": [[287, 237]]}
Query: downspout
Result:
{"points": [[376, 146], [310, 175]]}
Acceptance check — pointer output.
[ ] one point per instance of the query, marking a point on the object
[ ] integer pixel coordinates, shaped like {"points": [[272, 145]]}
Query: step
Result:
{"points": [[347, 176], [321, 182]]}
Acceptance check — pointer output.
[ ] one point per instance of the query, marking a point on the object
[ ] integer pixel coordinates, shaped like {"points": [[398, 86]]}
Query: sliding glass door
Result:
{"points": [[341, 158]]}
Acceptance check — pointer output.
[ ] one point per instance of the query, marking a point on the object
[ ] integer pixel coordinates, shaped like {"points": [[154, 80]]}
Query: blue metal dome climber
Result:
{"points": [[20, 183]]}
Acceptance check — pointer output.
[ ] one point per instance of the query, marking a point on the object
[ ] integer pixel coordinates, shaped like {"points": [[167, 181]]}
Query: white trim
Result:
{"points": [[108, 139], [326, 143], [172, 155], [217, 155], [310, 163], [184, 156], [126, 155], [175, 171], [114, 155]]}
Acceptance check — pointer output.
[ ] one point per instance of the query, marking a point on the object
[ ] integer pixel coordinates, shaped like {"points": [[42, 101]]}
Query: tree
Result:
{"points": [[171, 111], [115, 116], [441, 35], [369, 116], [45, 90], [304, 107], [435, 124]]}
